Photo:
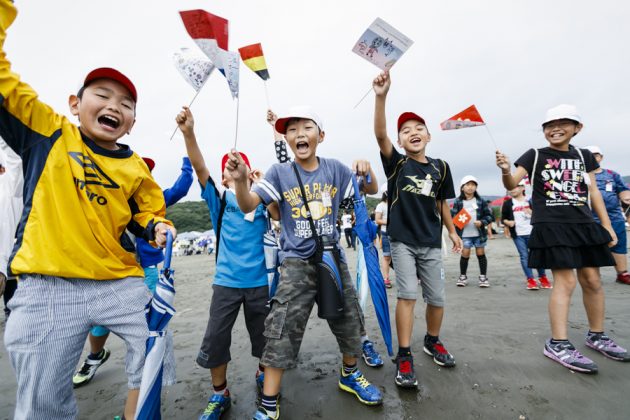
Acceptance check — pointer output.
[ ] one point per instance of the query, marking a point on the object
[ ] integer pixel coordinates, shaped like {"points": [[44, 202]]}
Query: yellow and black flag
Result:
{"points": [[253, 58]]}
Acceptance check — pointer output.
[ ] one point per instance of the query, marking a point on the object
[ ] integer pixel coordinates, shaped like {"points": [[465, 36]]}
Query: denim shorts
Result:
{"points": [[385, 244], [622, 239], [475, 242]]}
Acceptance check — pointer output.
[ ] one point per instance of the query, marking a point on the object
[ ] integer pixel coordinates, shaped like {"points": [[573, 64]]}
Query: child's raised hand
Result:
{"points": [[361, 167], [503, 162], [271, 118], [236, 166], [382, 83], [185, 121], [613, 234]]}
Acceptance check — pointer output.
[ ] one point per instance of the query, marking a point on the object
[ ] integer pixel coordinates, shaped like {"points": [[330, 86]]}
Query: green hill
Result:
{"points": [[190, 215]]}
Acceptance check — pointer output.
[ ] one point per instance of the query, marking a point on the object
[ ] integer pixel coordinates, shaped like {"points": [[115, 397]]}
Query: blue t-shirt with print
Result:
{"points": [[240, 253], [610, 184], [325, 187]]}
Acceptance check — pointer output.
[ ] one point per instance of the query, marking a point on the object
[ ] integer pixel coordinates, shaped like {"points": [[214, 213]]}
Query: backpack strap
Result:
{"points": [[219, 223]]}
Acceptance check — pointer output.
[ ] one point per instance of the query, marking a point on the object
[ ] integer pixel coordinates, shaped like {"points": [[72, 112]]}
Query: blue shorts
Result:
{"points": [[385, 244], [622, 239], [475, 242]]}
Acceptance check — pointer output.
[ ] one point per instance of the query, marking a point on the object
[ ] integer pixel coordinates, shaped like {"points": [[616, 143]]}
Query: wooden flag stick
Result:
{"points": [[491, 137], [361, 100], [236, 130], [189, 105]]}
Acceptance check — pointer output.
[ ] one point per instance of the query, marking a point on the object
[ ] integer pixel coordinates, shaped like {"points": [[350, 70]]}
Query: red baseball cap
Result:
{"points": [[406, 116], [150, 163], [112, 74], [225, 158]]}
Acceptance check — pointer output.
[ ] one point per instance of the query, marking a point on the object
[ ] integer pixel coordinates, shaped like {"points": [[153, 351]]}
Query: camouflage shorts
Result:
{"points": [[291, 308]]}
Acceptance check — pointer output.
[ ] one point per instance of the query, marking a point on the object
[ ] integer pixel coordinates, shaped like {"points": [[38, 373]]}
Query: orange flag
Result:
{"points": [[469, 117], [461, 219]]}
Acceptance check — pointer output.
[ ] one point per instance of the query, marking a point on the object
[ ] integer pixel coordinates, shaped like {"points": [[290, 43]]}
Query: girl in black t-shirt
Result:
{"points": [[565, 237]]}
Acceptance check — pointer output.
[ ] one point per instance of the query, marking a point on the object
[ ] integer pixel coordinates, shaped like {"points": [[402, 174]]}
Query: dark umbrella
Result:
{"points": [[366, 231], [159, 313]]}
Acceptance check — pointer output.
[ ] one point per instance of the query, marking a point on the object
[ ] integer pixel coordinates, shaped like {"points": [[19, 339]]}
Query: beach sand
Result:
{"points": [[495, 334]]}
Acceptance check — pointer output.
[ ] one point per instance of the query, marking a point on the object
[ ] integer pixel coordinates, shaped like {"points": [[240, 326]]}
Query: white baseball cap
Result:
{"points": [[562, 112], [594, 149], [304, 112], [468, 178]]}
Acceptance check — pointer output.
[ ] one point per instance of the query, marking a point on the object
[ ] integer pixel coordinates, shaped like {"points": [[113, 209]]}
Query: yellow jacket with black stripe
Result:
{"points": [[78, 197]]}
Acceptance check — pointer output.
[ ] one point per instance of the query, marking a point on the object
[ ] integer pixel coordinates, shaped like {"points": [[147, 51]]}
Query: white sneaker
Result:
{"points": [[483, 281], [462, 281]]}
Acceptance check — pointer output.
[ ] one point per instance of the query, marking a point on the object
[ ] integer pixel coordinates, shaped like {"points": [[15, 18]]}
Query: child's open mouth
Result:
{"points": [[108, 121], [302, 146], [415, 140]]}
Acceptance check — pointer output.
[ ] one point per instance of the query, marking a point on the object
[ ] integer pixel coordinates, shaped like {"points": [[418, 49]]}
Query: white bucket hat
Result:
{"points": [[305, 112], [594, 149], [468, 178], [562, 112]]}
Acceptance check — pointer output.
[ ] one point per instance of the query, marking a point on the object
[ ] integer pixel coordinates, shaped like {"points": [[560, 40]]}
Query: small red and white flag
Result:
{"points": [[469, 117], [210, 33], [461, 219]]}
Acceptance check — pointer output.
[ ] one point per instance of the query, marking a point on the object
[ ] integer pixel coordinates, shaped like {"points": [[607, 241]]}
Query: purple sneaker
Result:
{"points": [[606, 346], [565, 354]]}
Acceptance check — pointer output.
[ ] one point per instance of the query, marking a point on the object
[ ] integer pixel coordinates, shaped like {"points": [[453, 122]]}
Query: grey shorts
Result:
{"points": [[224, 308], [291, 308], [423, 262]]}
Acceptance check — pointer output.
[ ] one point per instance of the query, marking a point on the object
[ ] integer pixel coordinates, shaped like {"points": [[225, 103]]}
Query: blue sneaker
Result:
{"points": [[217, 405], [262, 414], [260, 380], [356, 384], [370, 355]]}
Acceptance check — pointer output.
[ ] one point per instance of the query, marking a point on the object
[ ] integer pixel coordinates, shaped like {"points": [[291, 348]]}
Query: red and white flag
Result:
{"points": [[469, 117], [461, 219], [210, 33]]}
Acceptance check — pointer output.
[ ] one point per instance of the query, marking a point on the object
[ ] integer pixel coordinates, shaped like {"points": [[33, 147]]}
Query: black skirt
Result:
{"points": [[569, 245]]}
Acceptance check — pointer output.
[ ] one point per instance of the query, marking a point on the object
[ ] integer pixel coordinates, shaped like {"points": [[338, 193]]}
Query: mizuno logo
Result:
{"points": [[93, 174], [419, 182]]}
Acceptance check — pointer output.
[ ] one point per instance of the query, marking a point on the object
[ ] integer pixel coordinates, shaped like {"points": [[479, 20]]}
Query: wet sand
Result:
{"points": [[495, 334]]}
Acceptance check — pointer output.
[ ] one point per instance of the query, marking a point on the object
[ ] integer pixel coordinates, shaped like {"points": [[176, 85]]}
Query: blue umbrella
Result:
{"points": [[366, 231], [159, 312], [270, 247]]}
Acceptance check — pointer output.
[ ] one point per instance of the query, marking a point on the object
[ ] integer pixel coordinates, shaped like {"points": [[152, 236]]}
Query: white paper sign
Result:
{"points": [[382, 45]]}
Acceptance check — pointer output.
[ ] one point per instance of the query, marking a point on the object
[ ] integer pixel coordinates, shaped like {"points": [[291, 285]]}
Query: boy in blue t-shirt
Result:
{"points": [[326, 182], [613, 190], [240, 276]]}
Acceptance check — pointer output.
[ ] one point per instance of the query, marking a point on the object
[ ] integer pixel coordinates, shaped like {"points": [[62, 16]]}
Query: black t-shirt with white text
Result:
{"points": [[413, 216], [560, 192]]}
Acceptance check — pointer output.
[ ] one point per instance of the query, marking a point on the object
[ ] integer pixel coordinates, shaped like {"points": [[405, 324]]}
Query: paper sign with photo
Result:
{"points": [[382, 45]]}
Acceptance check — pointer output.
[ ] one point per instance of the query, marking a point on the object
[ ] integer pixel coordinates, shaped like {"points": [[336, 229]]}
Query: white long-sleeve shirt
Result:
{"points": [[11, 201]]}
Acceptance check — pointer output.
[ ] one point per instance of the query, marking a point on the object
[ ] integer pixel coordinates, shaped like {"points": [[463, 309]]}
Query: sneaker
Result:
{"points": [[260, 380], [531, 284], [217, 405], [370, 355], [440, 355], [606, 346], [623, 278], [483, 281], [262, 414], [388, 283], [358, 385], [565, 354], [88, 370], [405, 374], [545, 283], [462, 281]]}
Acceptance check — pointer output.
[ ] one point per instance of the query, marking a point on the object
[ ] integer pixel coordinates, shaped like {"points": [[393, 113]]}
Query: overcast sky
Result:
{"points": [[513, 60]]}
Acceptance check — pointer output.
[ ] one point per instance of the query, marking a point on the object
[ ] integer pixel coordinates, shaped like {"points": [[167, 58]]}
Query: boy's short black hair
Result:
{"points": [[296, 119]]}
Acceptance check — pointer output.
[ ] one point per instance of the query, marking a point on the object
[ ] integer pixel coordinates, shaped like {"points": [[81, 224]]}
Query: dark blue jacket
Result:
{"points": [[484, 215], [146, 253]]}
